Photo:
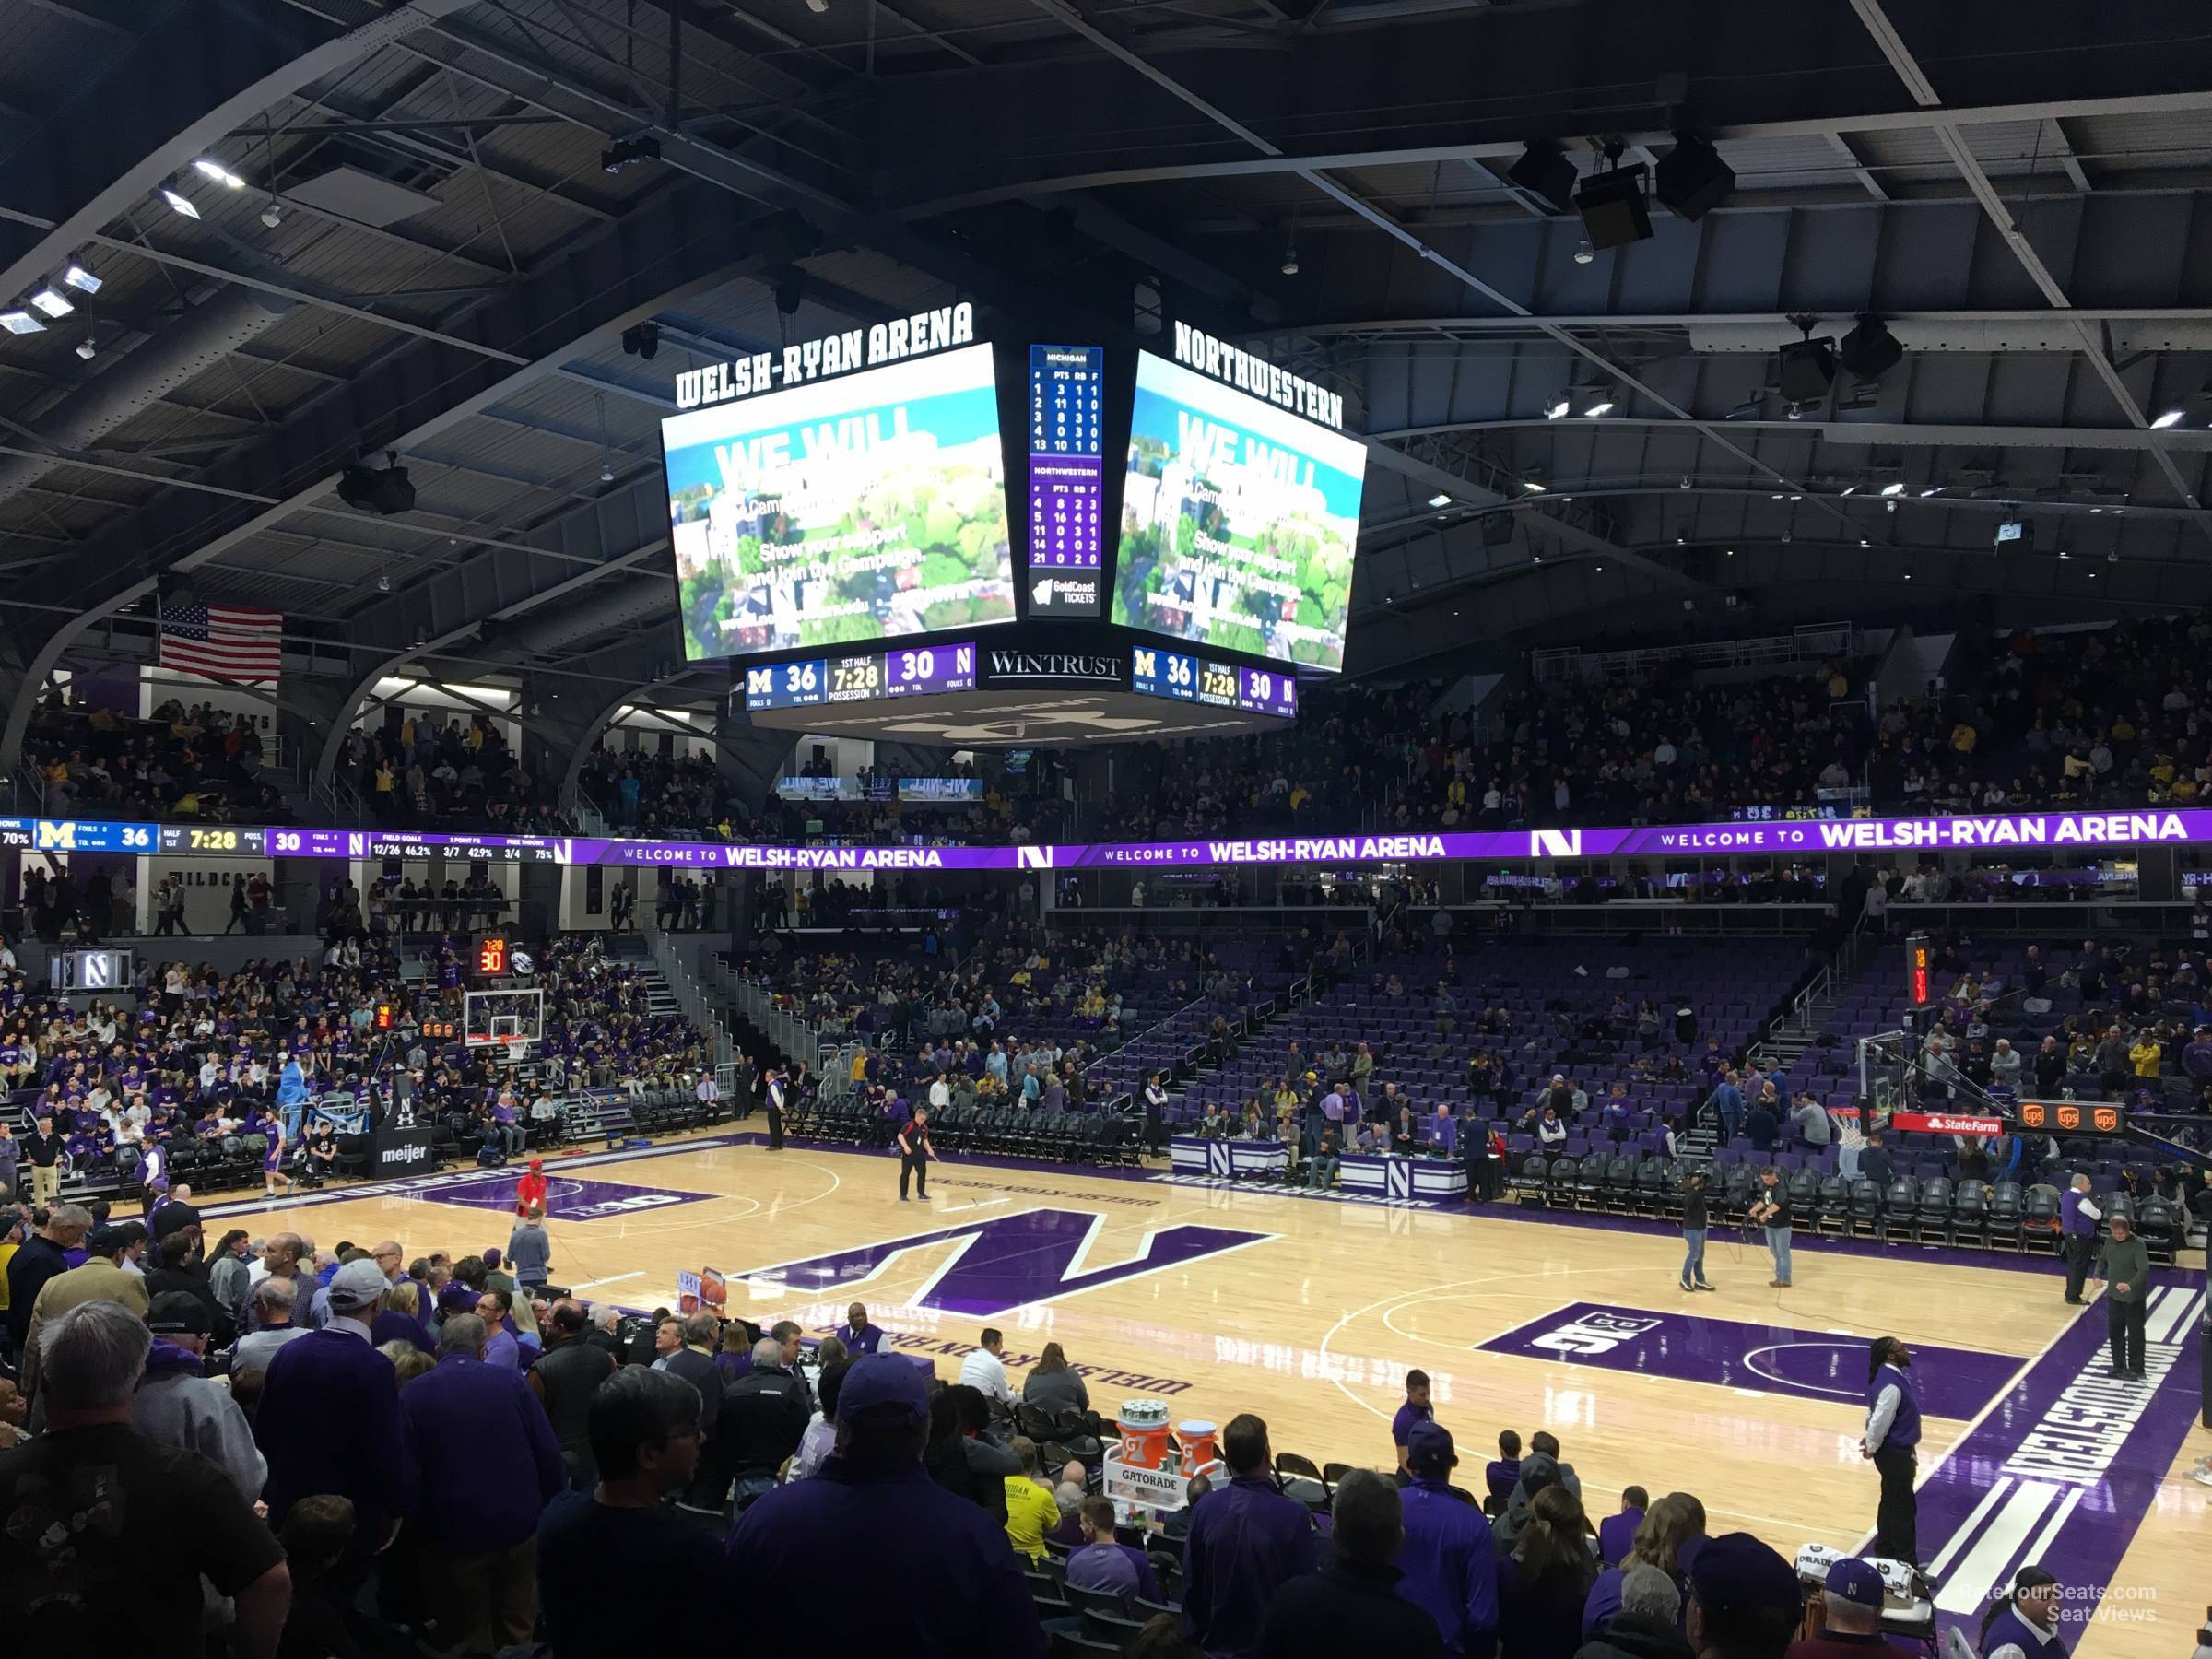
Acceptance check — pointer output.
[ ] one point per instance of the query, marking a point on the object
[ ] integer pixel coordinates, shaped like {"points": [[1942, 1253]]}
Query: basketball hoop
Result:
{"points": [[516, 1048]]}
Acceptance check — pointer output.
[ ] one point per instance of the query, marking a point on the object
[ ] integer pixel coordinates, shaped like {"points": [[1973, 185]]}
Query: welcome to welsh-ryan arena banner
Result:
{"points": [[1904, 837]]}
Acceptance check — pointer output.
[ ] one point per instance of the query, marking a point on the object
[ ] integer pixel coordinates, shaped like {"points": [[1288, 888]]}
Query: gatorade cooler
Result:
{"points": [[1143, 1425], [1197, 1445]]}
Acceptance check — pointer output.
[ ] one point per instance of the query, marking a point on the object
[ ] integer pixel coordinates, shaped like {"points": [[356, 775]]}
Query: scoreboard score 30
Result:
{"points": [[908, 672]]}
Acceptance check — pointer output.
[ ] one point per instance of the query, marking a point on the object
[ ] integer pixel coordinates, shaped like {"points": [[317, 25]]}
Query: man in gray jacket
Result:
{"points": [[178, 1404], [2124, 1266]]}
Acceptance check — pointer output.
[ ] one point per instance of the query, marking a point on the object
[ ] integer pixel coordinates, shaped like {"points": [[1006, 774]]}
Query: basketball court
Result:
{"points": [[1309, 1310]]}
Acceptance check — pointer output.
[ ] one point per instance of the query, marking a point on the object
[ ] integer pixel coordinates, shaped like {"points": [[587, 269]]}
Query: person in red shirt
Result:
{"points": [[530, 1190]]}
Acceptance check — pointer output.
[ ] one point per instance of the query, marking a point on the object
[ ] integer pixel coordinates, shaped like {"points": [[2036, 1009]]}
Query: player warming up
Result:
{"points": [[916, 1153]]}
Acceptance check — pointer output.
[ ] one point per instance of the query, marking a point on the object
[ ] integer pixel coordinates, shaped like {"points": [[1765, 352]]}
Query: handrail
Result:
{"points": [[683, 984]]}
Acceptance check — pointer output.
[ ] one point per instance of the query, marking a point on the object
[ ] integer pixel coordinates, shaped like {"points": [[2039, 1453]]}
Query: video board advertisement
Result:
{"points": [[1238, 520], [867, 507]]}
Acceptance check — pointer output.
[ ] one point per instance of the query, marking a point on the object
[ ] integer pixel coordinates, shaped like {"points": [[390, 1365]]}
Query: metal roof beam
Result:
{"points": [[1947, 124]]}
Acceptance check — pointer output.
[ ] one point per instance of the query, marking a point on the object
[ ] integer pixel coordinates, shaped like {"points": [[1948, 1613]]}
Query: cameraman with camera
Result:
{"points": [[1693, 1231]]}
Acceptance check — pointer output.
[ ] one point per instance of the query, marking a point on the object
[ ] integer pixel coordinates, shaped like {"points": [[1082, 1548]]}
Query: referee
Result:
{"points": [[914, 1153]]}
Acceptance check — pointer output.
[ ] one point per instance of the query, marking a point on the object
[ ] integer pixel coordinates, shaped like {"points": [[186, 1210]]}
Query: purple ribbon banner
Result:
{"points": [[1996, 833]]}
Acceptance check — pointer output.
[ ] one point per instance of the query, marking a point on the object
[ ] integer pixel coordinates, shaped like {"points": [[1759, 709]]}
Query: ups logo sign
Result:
{"points": [[2069, 1117], [2106, 1119], [2035, 1114]]}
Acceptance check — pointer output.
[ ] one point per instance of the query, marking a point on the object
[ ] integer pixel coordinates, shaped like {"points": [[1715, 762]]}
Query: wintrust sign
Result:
{"points": [[1054, 668]]}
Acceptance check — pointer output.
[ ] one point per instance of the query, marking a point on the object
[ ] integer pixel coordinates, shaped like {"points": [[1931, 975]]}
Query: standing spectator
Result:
{"points": [[858, 1336], [44, 1148], [1415, 1410], [1542, 1587], [2124, 1266], [960, 1592], [1247, 1540], [1745, 1600], [272, 1306], [230, 1279], [330, 1377], [44, 1255], [102, 1277], [1644, 1628], [171, 1516], [763, 1420], [566, 1379], [485, 1465], [643, 1439], [530, 1252], [1449, 1559], [1353, 1603], [179, 1404]]}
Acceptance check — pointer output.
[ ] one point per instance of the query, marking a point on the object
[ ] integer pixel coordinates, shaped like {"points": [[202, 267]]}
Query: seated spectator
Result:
{"points": [[1053, 1383], [644, 1442], [1503, 1473], [1616, 1532], [1847, 1614], [1667, 1537], [1031, 1512], [960, 1588], [1105, 1566]]}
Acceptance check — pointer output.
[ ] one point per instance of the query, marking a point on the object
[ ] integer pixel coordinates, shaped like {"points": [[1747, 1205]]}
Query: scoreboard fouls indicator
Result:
{"points": [[909, 671]]}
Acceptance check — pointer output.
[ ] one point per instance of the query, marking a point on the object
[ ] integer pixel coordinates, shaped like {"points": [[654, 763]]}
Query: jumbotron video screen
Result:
{"points": [[868, 507], [1238, 520]]}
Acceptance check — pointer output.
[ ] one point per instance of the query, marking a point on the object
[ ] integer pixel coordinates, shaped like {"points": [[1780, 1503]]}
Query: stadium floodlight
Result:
{"points": [[50, 300], [179, 203], [1893, 489], [209, 168], [2169, 417], [20, 322], [1555, 410], [81, 279], [1603, 407], [1440, 499]]}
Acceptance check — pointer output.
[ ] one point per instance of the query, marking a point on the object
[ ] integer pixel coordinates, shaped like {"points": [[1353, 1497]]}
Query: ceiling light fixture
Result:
{"points": [[1893, 489], [1554, 411], [178, 203], [1851, 489], [78, 278], [2169, 417], [1603, 407], [51, 301], [1440, 499], [272, 216], [1584, 253], [21, 321], [1290, 259], [88, 349], [1533, 486], [222, 176]]}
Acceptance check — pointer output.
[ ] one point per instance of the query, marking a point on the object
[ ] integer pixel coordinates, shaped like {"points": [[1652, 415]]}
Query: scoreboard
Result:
{"points": [[1067, 475], [908, 672], [1157, 673]]}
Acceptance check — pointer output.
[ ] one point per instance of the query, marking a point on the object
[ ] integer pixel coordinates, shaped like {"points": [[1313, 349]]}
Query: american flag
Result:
{"points": [[222, 642]]}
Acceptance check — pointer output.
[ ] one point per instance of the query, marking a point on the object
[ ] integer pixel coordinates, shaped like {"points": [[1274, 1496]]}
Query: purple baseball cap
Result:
{"points": [[1857, 1582], [883, 1385]]}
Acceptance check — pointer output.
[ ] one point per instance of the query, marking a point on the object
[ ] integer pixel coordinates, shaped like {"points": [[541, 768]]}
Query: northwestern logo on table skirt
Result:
{"points": [[1814, 1365], [2066, 1466], [567, 1197], [1007, 1262]]}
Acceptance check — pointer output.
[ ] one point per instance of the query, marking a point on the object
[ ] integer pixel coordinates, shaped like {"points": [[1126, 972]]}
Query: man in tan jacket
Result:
{"points": [[104, 1277]]}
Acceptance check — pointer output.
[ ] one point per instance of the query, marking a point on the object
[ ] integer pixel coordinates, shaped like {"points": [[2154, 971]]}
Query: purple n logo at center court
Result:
{"points": [[1814, 1365], [1007, 1262], [569, 1197]]}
